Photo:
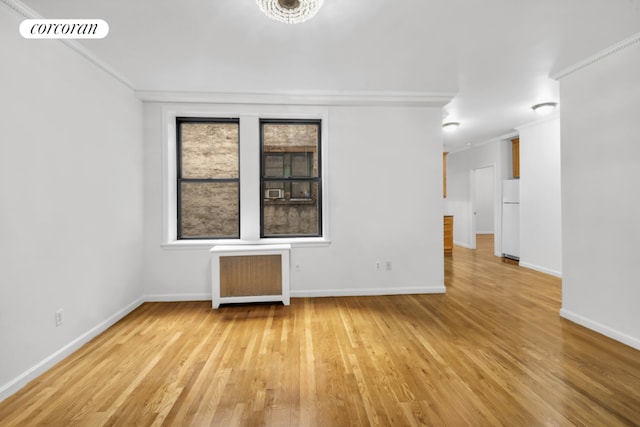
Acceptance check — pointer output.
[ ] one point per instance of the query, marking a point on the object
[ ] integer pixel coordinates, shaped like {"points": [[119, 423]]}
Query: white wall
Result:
{"points": [[70, 202], [385, 192], [458, 202], [540, 206], [540, 221], [601, 195]]}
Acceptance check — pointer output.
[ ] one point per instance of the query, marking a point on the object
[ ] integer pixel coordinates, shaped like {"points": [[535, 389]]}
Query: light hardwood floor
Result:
{"points": [[492, 351]]}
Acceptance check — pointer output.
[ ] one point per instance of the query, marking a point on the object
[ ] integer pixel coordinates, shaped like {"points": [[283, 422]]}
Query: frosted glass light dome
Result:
{"points": [[544, 108], [290, 11]]}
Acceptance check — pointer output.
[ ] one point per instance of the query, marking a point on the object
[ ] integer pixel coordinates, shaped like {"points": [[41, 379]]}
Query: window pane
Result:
{"points": [[209, 150], [296, 143], [209, 209], [291, 203], [300, 190], [291, 215], [302, 164], [290, 134], [274, 165]]}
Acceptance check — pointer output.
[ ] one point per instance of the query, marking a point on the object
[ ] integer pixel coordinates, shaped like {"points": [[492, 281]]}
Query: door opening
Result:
{"points": [[483, 207]]}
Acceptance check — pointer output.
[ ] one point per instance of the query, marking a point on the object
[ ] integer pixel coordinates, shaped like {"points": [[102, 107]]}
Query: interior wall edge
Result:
{"points": [[308, 98], [409, 290], [177, 297], [47, 363], [603, 54], [29, 13], [540, 269], [462, 244], [614, 334], [50, 361]]}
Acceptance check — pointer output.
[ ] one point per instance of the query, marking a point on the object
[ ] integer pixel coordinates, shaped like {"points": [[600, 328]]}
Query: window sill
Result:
{"points": [[300, 242]]}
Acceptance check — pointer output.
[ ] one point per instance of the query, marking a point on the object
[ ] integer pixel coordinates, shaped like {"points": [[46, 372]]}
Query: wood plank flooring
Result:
{"points": [[492, 351]]}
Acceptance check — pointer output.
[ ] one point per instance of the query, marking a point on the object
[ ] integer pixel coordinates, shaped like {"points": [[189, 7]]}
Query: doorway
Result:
{"points": [[483, 206]]}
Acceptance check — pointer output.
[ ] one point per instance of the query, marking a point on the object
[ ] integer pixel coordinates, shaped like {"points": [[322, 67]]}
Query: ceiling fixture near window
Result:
{"points": [[544, 108], [290, 11], [450, 126]]}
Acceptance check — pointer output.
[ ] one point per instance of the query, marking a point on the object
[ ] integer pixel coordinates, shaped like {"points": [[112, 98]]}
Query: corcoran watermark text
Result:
{"points": [[64, 29]]}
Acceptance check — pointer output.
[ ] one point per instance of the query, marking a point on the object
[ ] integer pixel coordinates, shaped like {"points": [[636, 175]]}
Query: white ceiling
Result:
{"points": [[496, 56]]}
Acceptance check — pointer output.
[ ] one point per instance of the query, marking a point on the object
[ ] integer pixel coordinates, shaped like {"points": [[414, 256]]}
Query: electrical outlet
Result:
{"points": [[59, 317], [298, 268], [378, 265], [388, 266]]}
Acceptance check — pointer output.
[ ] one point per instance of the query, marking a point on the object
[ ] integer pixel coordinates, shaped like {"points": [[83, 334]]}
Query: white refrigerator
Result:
{"points": [[511, 219]]}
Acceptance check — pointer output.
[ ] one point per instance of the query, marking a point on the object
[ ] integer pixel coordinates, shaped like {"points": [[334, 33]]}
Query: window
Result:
{"points": [[242, 175], [208, 178], [290, 178]]}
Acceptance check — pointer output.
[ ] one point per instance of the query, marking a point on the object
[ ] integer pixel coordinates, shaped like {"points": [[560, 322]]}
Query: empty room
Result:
{"points": [[319, 213]]}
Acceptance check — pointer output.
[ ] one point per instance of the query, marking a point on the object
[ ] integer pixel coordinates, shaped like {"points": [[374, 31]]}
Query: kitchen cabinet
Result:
{"points": [[444, 174], [448, 234], [515, 151]]}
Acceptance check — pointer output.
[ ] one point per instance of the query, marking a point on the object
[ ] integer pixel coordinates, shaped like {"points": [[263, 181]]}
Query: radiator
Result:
{"points": [[257, 273]]}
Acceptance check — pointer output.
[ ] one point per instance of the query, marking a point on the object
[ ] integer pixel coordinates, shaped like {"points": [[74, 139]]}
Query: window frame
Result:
{"points": [[291, 179], [180, 179], [249, 116]]}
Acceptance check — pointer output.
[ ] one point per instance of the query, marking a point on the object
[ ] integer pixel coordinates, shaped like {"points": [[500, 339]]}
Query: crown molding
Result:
{"points": [[618, 47], [28, 13], [21, 9], [319, 98], [548, 118]]}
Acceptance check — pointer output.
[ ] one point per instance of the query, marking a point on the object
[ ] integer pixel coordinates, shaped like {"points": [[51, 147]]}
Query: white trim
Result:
{"points": [[464, 245], [346, 292], [540, 269], [310, 98], [22, 9], [505, 137], [177, 297], [47, 363], [29, 13], [553, 116], [302, 242], [249, 177], [634, 39], [601, 329], [304, 98]]}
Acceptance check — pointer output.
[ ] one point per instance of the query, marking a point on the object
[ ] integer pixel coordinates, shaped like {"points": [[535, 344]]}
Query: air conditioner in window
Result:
{"points": [[274, 193]]}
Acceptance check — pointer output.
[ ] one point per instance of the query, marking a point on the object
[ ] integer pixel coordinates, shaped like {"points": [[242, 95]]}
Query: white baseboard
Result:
{"points": [[32, 373], [540, 269], [176, 297], [44, 365], [601, 329], [464, 245], [311, 293], [369, 292]]}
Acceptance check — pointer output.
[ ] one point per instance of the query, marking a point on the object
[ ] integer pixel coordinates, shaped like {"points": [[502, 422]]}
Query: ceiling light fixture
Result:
{"points": [[290, 11], [450, 126], [544, 108]]}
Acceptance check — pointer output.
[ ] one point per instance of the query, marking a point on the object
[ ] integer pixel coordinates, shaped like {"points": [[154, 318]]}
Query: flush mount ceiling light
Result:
{"points": [[544, 108], [450, 126], [290, 11]]}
